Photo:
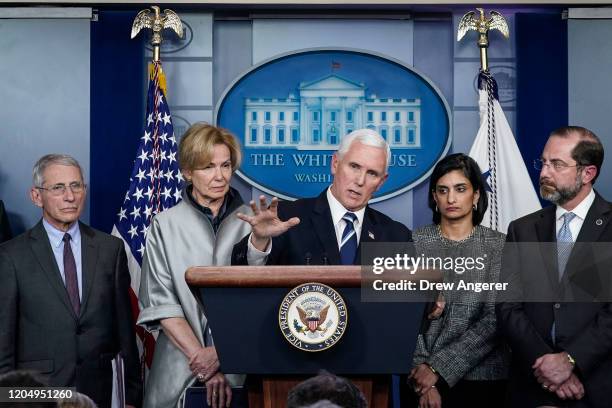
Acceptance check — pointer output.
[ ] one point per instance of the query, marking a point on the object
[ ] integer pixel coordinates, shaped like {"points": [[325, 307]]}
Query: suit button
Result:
{"points": [[79, 330], [557, 305]]}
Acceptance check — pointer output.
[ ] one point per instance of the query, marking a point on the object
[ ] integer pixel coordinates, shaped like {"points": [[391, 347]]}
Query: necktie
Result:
{"points": [[348, 245], [565, 242], [70, 275]]}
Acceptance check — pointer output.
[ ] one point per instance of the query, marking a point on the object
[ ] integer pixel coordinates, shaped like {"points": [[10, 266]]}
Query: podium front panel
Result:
{"points": [[379, 339]]}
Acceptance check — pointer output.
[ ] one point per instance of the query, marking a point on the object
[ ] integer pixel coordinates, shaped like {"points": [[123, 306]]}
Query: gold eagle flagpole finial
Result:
{"points": [[482, 25], [157, 22]]}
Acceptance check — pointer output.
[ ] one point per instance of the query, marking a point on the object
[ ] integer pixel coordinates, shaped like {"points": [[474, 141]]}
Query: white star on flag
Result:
{"points": [[146, 137], [166, 119], [121, 214], [135, 212], [172, 157], [143, 156], [137, 194], [140, 175]]}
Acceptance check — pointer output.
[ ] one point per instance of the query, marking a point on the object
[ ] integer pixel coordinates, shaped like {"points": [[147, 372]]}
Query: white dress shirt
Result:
{"points": [[337, 212], [56, 238], [580, 210]]}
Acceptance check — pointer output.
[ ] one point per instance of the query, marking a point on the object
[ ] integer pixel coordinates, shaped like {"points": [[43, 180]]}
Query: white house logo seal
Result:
{"points": [[313, 317]]}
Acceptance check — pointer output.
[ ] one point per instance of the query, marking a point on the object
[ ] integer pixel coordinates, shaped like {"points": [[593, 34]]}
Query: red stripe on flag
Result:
{"points": [[147, 339]]}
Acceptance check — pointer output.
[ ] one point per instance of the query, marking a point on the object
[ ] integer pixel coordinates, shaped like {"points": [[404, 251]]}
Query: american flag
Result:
{"points": [[155, 185]]}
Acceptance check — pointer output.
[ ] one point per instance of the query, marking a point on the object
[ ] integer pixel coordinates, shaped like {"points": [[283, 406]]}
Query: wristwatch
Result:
{"points": [[571, 359]]}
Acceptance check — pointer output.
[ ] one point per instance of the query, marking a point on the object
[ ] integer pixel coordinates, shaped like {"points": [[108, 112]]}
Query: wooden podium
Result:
{"points": [[242, 306]]}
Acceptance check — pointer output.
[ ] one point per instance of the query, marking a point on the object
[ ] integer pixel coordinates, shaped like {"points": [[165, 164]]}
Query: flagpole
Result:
{"points": [[510, 192], [155, 169]]}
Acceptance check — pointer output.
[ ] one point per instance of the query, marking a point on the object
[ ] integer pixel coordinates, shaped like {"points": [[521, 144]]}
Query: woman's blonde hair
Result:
{"points": [[197, 144]]}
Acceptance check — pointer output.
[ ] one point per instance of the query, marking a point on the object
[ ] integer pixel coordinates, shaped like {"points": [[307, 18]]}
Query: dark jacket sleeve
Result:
{"points": [[5, 228], [127, 336], [514, 324], [593, 344], [8, 312], [239, 252]]}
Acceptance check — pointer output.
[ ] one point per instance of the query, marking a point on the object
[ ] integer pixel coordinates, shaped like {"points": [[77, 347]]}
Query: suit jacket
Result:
{"points": [[578, 305], [5, 228], [40, 330], [313, 241]]}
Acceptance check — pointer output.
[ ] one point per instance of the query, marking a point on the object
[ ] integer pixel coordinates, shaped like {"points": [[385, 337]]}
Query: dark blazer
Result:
{"points": [[5, 228], [40, 331], [313, 241], [578, 305]]}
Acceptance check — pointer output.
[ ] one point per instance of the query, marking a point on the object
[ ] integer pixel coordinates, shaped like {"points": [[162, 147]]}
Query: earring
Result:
{"points": [[475, 207], [437, 208]]}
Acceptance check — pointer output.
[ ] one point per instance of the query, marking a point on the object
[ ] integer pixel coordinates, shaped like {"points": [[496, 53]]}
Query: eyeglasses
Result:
{"points": [[556, 165], [60, 189]]}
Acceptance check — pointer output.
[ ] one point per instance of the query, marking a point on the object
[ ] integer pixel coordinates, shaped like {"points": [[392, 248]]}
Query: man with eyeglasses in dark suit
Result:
{"points": [[64, 286], [557, 317]]}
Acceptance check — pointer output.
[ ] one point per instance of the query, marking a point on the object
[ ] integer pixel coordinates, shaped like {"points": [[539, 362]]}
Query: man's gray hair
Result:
{"points": [[368, 137], [48, 160]]}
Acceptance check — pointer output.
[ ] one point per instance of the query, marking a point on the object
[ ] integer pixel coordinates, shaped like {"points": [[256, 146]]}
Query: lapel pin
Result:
{"points": [[371, 234], [599, 221]]}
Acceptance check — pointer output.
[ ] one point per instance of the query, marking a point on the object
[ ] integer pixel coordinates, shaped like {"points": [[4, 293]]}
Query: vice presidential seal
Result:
{"points": [[312, 317]]}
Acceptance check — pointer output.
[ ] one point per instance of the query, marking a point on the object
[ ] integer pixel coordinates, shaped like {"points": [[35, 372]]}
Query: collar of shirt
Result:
{"points": [[338, 211], [57, 246], [231, 201], [580, 210], [56, 236]]}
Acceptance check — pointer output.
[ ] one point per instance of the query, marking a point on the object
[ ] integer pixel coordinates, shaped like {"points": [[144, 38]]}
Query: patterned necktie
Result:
{"points": [[348, 245], [70, 275], [565, 242]]}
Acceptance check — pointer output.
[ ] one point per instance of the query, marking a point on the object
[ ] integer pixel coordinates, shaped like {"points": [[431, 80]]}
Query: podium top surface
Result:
{"points": [[348, 276]]}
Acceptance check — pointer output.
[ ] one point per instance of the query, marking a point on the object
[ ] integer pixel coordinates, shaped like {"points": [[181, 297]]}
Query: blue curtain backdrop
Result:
{"points": [[542, 90], [117, 111]]}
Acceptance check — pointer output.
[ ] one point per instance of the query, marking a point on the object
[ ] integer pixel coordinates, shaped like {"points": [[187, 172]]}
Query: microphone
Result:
{"points": [[307, 258], [324, 258]]}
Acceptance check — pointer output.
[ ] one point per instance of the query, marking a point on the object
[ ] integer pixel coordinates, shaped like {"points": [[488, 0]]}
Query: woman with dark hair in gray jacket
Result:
{"points": [[459, 361]]}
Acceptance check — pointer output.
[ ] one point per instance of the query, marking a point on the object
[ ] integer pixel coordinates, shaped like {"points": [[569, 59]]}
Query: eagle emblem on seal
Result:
{"points": [[313, 319]]}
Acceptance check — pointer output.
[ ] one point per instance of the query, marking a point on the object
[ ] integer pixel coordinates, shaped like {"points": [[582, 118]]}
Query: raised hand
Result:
{"points": [[265, 223]]}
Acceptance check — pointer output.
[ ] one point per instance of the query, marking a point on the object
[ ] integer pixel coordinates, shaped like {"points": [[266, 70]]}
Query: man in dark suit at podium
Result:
{"points": [[562, 343], [328, 229]]}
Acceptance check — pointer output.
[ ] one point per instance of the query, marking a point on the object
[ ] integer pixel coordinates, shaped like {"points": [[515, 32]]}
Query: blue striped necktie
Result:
{"points": [[348, 245], [565, 243]]}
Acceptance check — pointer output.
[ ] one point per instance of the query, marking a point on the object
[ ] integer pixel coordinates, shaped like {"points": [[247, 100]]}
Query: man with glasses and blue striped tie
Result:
{"points": [[328, 229], [558, 322]]}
